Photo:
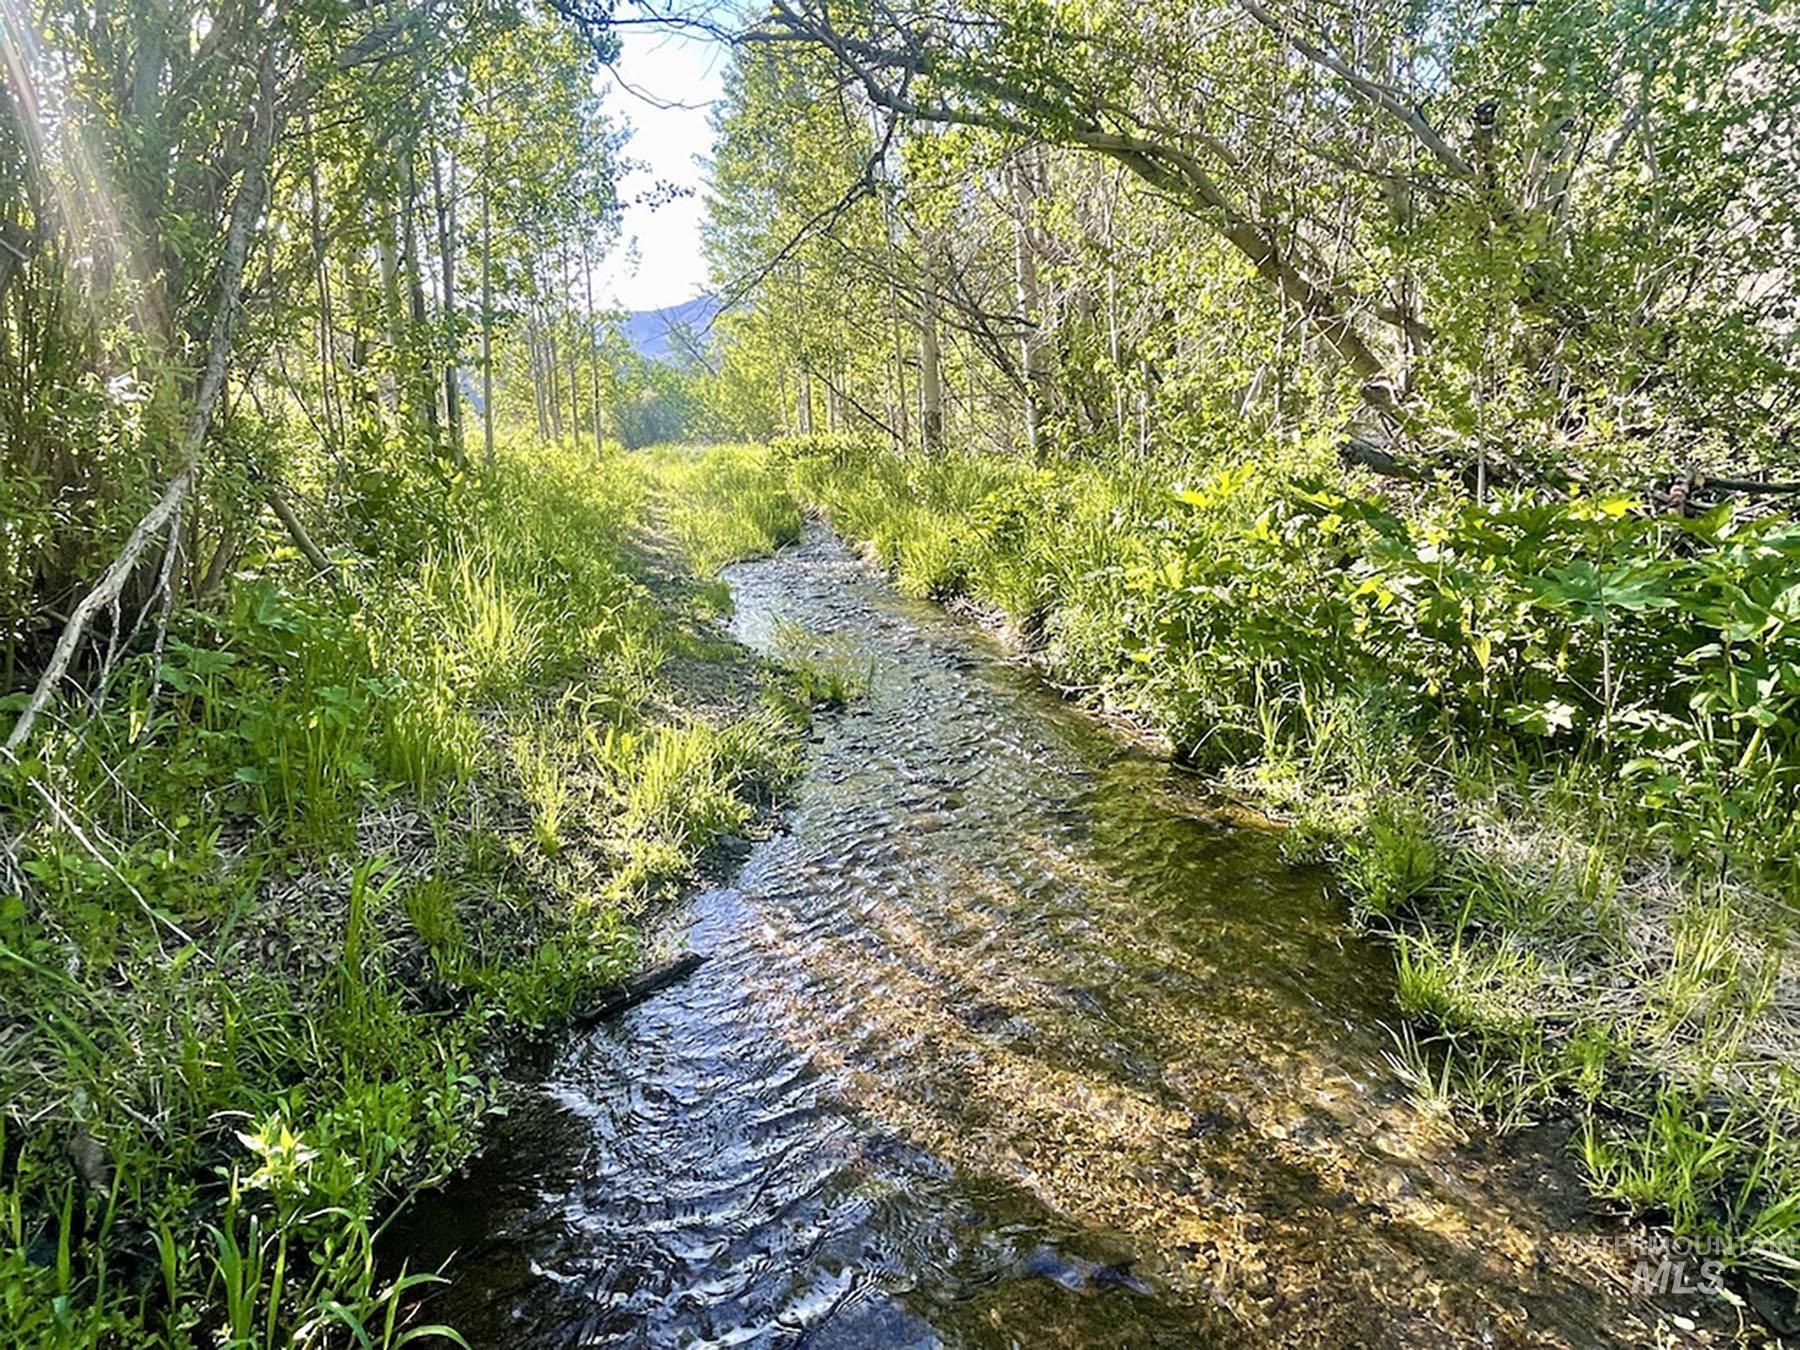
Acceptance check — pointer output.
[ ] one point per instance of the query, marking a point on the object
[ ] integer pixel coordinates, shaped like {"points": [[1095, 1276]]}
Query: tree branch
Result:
{"points": [[244, 213]]}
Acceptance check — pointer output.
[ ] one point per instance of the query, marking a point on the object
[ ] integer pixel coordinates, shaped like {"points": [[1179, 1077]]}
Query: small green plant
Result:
{"points": [[1423, 982], [1395, 859], [544, 782], [431, 910], [815, 674]]}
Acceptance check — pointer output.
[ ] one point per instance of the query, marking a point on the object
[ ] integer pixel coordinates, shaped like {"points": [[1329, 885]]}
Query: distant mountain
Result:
{"points": [[665, 334]]}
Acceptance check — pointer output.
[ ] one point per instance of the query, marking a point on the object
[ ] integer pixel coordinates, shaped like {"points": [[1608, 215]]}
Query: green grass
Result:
{"points": [[270, 930], [722, 503], [816, 672]]}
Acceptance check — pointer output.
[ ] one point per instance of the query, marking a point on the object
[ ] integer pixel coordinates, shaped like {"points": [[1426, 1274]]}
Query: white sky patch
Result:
{"points": [[658, 260]]}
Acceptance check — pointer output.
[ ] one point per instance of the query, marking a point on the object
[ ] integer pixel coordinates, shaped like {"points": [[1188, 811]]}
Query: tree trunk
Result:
{"points": [[593, 334], [445, 209], [931, 360], [165, 514], [487, 299], [330, 404], [803, 401], [421, 377], [803, 408], [391, 311], [1030, 298], [534, 347], [552, 375], [574, 355], [896, 327]]}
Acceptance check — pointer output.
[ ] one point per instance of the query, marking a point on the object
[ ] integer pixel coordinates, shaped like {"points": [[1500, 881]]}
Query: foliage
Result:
{"points": [[1549, 748], [412, 168], [1233, 612], [283, 900], [1532, 242]]}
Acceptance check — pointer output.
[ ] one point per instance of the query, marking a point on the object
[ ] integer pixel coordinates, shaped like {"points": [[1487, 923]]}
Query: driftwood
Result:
{"points": [[631, 992]]}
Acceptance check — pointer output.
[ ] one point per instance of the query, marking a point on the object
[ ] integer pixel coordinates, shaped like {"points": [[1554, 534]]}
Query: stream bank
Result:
{"points": [[1010, 1035]]}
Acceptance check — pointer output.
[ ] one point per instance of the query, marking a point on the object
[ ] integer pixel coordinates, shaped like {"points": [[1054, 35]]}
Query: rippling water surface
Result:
{"points": [[1010, 1038]]}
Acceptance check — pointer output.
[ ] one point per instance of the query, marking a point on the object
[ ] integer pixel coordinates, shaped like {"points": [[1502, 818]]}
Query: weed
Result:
{"points": [[1396, 860], [544, 784], [815, 674]]}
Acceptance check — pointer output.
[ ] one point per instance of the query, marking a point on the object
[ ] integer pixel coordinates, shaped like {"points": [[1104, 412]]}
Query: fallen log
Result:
{"points": [[322, 565], [630, 992], [1751, 487], [1357, 450]]}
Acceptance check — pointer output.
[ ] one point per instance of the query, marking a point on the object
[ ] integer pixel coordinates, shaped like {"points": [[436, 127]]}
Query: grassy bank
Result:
{"points": [[1574, 826], [274, 912], [723, 503]]}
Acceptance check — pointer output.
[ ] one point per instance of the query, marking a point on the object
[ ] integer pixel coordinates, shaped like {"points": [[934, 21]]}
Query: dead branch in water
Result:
{"points": [[629, 993]]}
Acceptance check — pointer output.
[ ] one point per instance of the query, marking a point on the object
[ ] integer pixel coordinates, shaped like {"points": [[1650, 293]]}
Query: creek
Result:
{"points": [[1012, 1035]]}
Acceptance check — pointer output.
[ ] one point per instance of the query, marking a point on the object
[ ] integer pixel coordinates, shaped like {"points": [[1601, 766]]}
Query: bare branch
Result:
{"points": [[1380, 95]]}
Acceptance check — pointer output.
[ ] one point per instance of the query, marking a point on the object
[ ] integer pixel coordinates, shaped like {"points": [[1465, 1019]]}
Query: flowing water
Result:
{"points": [[1011, 1037]]}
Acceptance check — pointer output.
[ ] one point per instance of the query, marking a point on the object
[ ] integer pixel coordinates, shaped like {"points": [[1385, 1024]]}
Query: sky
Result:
{"points": [[658, 262]]}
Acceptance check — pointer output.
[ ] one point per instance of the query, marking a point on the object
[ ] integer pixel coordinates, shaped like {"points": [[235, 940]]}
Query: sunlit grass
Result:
{"points": [[409, 817], [490, 636], [723, 503]]}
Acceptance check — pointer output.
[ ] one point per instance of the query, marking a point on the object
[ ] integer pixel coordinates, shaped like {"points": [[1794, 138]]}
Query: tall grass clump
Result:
{"points": [[491, 637], [723, 503]]}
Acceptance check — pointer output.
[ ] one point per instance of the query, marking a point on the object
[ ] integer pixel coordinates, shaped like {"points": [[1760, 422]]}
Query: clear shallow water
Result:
{"points": [[1010, 1038]]}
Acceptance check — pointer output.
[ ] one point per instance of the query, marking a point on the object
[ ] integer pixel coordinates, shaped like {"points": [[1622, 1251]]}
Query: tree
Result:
{"points": [[1503, 226], [211, 240]]}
